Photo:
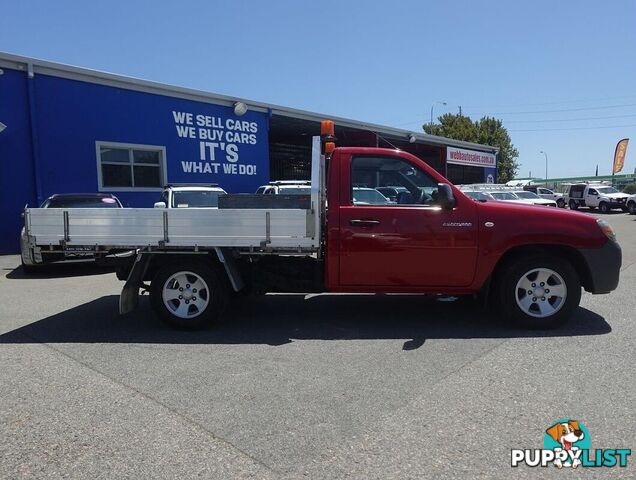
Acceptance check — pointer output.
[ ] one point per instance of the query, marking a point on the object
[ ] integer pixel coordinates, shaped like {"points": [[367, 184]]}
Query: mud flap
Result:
{"points": [[129, 297], [225, 257]]}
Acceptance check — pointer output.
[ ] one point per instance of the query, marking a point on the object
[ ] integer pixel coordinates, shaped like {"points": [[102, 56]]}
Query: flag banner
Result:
{"points": [[619, 155]]}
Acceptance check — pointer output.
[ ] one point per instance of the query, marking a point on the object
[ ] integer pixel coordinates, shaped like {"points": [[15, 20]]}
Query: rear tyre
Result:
{"points": [[188, 295], [604, 207], [631, 208], [573, 205], [561, 203], [538, 292]]}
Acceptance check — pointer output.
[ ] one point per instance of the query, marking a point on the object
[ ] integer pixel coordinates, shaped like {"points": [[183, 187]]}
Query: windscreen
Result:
{"points": [[607, 190], [201, 199]]}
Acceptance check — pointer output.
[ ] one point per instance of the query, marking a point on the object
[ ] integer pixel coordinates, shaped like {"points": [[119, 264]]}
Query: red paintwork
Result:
{"points": [[411, 250]]}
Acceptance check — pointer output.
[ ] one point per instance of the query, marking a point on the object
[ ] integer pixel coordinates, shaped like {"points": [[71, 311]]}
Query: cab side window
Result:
{"points": [[591, 191], [390, 181]]}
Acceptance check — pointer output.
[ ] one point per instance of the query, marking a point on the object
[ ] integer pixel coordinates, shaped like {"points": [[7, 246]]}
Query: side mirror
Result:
{"points": [[160, 205], [445, 196]]}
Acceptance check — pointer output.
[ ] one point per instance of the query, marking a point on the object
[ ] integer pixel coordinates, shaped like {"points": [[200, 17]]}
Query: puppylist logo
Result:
{"points": [[567, 443]]}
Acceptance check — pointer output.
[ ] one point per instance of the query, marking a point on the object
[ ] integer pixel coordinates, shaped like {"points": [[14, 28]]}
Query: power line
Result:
{"points": [[571, 119], [561, 110], [572, 128], [422, 122], [564, 102]]}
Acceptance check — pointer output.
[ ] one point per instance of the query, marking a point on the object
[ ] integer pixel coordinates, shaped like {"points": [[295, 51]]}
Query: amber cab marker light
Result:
{"points": [[330, 147], [327, 127]]}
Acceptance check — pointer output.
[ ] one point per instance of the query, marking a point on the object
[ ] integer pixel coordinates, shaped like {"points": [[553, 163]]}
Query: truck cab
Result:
{"points": [[592, 195]]}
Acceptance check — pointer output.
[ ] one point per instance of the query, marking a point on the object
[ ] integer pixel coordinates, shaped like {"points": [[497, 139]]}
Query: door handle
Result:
{"points": [[364, 222]]}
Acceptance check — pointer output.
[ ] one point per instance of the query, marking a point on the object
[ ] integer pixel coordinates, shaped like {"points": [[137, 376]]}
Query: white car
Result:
{"points": [[369, 196], [534, 198], [508, 196], [593, 195], [285, 187], [547, 193], [190, 196], [478, 196], [631, 204]]}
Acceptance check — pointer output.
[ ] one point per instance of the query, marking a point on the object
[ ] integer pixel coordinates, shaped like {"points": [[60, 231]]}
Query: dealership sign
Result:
{"points": [[461, 156], [227, 145]]}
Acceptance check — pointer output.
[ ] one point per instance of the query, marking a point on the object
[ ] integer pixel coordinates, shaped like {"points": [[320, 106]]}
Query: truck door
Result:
{"points": [[592, 198], [406, 243]]}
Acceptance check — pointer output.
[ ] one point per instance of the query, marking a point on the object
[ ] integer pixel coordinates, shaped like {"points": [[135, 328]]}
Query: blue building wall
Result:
{"points": [[17, 181], [204, 143]]}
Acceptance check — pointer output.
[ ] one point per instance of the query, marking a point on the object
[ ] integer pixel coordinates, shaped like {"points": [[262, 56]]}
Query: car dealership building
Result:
{"points": [[72, 130]]}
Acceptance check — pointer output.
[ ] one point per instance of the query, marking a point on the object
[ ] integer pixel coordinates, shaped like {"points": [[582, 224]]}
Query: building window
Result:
{"points": [[123, 166]]}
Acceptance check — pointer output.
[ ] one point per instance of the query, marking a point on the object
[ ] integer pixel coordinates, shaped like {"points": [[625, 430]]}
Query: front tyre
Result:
{"points": [[631, 208], [539, 292], [188, 295]]}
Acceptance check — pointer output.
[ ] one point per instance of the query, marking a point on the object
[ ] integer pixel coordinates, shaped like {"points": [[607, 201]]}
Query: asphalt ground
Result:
{"points": [[320, 387]]}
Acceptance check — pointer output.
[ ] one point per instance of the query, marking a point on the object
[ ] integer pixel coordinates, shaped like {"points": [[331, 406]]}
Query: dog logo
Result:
{"points": [[567, 443], [566, 434]]}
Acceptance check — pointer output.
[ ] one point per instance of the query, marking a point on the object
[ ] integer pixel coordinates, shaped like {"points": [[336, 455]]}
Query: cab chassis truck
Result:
{"points": [[529, 262]]}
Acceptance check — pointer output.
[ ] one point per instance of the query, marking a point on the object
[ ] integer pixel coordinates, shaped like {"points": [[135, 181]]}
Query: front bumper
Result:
{"points": [[604, 265]]}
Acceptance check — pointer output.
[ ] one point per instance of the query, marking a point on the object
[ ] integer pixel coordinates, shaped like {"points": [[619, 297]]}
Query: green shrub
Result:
{"points": [[630, 188]]}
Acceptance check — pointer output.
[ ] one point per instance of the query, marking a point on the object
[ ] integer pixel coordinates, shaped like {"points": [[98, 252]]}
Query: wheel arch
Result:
{"points": [[570, 254], [220, 258]]}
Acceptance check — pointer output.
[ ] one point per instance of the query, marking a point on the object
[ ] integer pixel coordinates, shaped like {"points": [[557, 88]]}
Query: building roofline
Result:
{"points": [[45, 67]]}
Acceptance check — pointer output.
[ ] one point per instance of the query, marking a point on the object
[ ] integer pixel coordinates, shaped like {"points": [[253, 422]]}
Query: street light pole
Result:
{"points": [[432, 106], [546, 167]]}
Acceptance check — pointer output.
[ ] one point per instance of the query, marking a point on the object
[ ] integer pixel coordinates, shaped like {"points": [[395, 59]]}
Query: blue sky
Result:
{"points": [[566, 68]]}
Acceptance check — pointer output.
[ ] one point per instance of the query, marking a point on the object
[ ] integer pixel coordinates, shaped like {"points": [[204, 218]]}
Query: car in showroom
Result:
{"points": [[65, 200]]}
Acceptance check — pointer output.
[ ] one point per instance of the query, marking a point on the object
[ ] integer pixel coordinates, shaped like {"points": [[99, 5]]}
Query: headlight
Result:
{"points": [[606, 229]]}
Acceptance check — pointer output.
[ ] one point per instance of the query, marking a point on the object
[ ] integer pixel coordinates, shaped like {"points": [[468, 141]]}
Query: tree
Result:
{"points": [[487, 131]]}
